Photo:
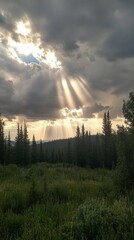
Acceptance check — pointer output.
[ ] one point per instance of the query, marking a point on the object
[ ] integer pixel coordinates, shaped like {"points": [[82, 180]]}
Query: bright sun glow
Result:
{"points": [[17, 48], [23, 28], [51, 60], [28, 47]]}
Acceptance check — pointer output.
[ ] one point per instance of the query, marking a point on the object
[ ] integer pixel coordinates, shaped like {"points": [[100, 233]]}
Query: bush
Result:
{"points": [[96, 220]]}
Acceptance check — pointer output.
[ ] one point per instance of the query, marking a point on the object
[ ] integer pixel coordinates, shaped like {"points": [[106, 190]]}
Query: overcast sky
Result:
{"points": [[63, 61]]}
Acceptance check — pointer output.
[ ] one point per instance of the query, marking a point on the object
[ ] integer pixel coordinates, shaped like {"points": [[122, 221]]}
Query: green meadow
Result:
{"points": [[52, 202]]}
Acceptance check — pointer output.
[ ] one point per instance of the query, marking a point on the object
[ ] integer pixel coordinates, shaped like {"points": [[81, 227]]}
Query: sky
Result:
{"points": [[63, 63]]}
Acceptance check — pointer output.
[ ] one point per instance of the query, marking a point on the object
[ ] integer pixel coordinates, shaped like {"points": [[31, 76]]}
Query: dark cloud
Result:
{"points": [[92, 39], [6, 22], [88, 112], [119, 44], [70, 46], [6, 94], [35, 98]]}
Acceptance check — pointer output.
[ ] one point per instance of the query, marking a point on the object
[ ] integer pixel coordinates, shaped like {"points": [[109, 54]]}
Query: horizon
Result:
{"points": [[59, 132]]}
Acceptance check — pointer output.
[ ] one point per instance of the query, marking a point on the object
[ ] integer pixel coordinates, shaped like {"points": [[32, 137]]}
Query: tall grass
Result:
{"points": [[57, 203]]}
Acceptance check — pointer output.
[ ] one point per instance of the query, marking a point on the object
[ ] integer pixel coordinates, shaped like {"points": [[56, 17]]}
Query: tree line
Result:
{"points": [[82, 150], [107, 150]]}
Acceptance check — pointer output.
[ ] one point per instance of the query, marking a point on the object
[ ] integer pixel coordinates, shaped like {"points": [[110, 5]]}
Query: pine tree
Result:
{"points": [[125, 147], [19, 146], [77, 146], [128, 111], [83, 147], [34, 150], [107, 143], [107, 125], [83, 131], [22, 145], [41, 152], [9, 150], [2, 152], [78, 132], [26, 145]]}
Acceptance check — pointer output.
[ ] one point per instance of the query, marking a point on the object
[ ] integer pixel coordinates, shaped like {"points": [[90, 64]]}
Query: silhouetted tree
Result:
{"points": [[107, 143], [128, 111], [1, 140], [41, 152], [22, 145], [9, 150], [125, 147], [26, 145], [34, 150]]}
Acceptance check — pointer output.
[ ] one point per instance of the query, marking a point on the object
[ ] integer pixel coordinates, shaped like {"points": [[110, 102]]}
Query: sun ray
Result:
{"points": [[67, 93], [80, 91], [84, 87], [60, 93]]}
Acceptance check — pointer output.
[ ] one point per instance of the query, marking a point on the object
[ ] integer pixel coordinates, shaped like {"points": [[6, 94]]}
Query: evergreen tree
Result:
{"points": [[9, 150], [22, 145], [83, 147], [125, 164], [26, 145], [34, 151], [107, 143], [107, 125], [2, 145], [125, 147], [128, 111], [78, 147], [78, 132], [19, 146], [83, 131], [41, 152]]}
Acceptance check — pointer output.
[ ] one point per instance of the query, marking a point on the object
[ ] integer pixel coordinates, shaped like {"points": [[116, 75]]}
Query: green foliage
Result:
{"points": [[11, 225], [58, 193], [47, 202], [22, 146], [107, 125], [34, 195], [2, 141], [108, 143], [13, 200], [96, 220], [125, 169], [128, 111]]}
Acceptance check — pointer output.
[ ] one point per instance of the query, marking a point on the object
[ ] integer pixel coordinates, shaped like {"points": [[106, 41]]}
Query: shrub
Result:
{"points": [[96, 220]]}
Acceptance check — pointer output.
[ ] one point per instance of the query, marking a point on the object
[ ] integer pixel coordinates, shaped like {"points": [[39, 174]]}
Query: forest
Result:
{"points": [[79, 188]]}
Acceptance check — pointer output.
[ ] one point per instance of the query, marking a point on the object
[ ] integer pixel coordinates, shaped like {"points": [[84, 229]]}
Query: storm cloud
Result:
{"points": [[94, 51]]}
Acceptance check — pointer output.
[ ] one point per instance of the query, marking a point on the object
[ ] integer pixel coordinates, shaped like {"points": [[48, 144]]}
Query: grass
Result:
{"points": [[53, 202]]}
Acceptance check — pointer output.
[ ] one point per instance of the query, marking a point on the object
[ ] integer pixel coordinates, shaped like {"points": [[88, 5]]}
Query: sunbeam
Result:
{"points": [[67, 94], [79, 91]]}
